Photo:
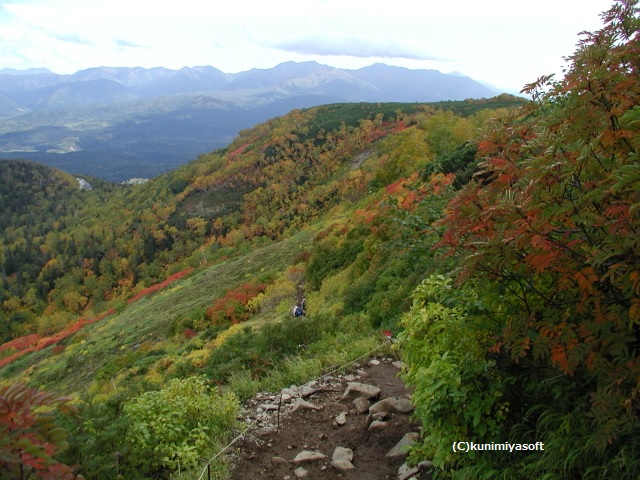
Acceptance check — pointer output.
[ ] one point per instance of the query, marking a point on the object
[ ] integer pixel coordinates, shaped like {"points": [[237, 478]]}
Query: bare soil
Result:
{"points": [[254, 454]]}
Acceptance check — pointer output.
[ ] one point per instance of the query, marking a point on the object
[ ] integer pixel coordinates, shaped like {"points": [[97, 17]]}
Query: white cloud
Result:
{"points": [[353, 46], [499, 41]]}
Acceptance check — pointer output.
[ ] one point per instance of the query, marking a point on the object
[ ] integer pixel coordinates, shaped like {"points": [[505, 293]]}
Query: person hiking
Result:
{"points": [[297, 311]]}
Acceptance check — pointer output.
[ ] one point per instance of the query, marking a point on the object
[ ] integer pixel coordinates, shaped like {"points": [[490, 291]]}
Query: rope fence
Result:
{"points": [[207, 468]]}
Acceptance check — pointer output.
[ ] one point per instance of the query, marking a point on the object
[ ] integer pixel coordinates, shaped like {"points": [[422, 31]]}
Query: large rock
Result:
{"points": [[357, 389], [309, 456], [391, 405], [402, 447], [301, 404], [361, 405], [342, 458]]}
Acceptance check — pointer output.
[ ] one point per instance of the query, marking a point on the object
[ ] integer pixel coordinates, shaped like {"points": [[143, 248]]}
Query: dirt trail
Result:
{"points": [[268, 453]]}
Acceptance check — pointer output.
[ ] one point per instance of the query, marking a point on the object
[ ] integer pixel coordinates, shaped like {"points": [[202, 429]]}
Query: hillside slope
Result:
{"points": [[496, 248]]}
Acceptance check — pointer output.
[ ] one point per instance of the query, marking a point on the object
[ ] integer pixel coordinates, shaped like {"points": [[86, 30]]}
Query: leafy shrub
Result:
{"points": [[458, 389], [29, 441], [171, 428], [233, 307]]}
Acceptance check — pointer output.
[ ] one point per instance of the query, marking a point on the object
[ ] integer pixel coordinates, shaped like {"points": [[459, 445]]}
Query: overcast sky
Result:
{"points": [[507, 43]]}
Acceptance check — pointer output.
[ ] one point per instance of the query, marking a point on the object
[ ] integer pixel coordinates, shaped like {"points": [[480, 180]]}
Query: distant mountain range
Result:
{"points": [[118, 123]]}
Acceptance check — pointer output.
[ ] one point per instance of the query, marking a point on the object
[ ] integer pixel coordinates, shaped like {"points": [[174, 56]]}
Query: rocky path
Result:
{"points": [[350, 426]]}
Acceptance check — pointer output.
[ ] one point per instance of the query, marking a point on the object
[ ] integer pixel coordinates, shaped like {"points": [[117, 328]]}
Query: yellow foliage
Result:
{"points": [[229, 332], [155, 377], [199, 358]]}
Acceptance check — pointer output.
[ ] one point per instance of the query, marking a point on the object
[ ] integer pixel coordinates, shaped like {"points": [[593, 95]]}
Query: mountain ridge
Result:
{"points": [[118, 122], [148, 82]]}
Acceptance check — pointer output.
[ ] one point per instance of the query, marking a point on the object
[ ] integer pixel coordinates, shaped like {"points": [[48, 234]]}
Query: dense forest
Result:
{"points": [[496, 239]]}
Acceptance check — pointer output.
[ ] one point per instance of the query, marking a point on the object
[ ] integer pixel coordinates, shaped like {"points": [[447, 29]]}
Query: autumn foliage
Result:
{"points": [[159, 286], [553, 220], [28, 440], [234, 306]]}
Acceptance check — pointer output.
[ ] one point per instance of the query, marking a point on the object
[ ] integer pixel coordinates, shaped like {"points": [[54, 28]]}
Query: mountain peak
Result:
{"points": [[27, 71]]}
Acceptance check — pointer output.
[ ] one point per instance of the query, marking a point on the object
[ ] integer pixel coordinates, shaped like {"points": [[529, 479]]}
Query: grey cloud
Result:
{"points": [[74, 38], [354, 47], [121, 42]]}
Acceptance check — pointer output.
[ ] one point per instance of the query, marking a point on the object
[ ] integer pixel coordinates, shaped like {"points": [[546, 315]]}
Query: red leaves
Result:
{"points": [[29, 441], [159, 286], [232, 307]]}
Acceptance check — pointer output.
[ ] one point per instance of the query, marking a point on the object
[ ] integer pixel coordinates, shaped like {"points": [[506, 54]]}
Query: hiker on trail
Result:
{"points": [[297, 311]]}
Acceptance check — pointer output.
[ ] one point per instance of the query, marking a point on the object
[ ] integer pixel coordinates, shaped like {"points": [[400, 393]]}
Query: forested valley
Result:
{"points": [[496, 240]]}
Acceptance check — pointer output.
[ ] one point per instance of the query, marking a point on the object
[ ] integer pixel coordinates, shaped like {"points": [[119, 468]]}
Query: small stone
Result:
{"points": [[301, 472], [378, 425], [307, 391], [425, 464], [286, 398], [292, 391], [309, 456], [341, 419], [402, 447], [380, 415], [342, 458], [361, 372], [322, 436], [267, 407], [405, 471], [374, 362], [398, 364], [349, 378], [361, 405], [279, 461]]}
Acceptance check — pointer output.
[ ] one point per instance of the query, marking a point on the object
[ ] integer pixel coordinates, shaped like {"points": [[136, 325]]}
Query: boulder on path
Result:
{"points": [[301, 404], [342, 458], [378, 425], [405, 471], [309, 456], [308, 390], [361, 405], [402, 447], [391, 405], [357, 389]]}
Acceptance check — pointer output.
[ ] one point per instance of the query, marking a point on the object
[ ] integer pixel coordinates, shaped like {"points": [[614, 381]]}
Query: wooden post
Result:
{"points": [[279, 407]]}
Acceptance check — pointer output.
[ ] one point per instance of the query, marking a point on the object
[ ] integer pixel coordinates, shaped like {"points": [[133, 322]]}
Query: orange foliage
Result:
{"points": [[35, 343], [159, 286], [233, 306]]}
